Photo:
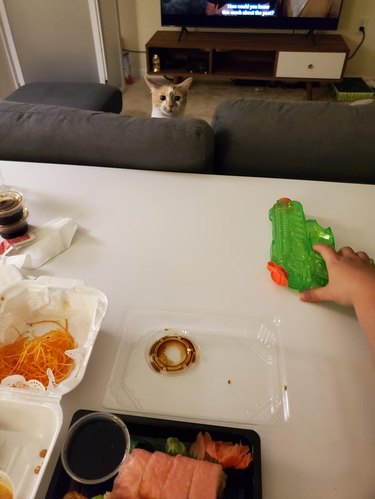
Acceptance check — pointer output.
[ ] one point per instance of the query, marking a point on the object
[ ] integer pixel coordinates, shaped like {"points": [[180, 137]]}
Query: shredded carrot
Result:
{"points": [[31, 358]]}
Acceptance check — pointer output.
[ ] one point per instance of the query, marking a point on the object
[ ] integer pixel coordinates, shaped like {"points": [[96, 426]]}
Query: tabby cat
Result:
{"points": [[168, 100]]}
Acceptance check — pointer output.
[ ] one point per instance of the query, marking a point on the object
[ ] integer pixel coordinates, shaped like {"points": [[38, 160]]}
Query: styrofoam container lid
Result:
{"points": [[30, 414]]}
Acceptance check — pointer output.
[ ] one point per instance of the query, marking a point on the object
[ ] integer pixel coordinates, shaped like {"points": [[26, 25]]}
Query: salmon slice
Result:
{"points": [[128, 480], [155, 475], [177, 484], [206, 480]]}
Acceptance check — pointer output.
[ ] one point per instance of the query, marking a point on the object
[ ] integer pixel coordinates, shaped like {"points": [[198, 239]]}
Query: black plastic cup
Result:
{"points": [[95, 447]]}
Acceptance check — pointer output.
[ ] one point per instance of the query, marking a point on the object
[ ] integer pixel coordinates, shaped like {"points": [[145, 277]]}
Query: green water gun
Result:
{"points": [[293, 261]]}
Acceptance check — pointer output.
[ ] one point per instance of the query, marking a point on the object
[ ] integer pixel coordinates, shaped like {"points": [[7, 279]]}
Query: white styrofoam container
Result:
{"points": [[30, 419]]}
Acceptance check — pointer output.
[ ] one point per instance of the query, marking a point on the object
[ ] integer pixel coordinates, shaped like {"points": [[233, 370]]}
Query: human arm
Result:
{"points": [[351, 282]]}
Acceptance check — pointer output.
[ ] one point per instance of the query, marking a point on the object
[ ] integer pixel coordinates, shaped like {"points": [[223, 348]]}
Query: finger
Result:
{"points": [[363, 256], [313, 295], [346, 251], [327, 252]]}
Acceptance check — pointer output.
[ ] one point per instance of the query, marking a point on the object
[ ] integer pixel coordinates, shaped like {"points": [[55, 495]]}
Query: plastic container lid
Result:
{"points": [[237, 376]]}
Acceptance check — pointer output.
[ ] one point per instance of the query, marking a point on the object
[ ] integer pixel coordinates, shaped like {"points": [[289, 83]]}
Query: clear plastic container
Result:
{"points": [[237, 376]]}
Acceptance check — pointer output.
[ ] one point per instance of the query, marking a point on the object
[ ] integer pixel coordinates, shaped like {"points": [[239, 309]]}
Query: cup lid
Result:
{"points": [[10, 202]]}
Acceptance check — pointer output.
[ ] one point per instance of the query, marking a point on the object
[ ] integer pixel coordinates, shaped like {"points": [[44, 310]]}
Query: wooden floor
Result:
{"points": [[204, 96]]}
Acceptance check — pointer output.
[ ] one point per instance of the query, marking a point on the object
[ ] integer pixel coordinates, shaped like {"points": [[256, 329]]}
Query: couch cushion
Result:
{"points": [[55, 134], [305, 140], [91, 96]]}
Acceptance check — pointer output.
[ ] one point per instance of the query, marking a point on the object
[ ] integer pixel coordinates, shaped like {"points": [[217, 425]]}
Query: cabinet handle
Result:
{"points": [[310, 66]]}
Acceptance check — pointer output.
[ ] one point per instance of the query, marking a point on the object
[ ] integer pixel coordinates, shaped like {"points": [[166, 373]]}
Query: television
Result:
{"points": [[273, 14]]}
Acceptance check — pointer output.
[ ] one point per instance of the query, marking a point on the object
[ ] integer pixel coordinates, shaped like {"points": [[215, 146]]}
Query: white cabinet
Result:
{"points": [[60, 40], [310, 65]]}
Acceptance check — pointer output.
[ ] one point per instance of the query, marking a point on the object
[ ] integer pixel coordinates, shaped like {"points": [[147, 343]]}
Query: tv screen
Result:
{"points": [[272, 14]]}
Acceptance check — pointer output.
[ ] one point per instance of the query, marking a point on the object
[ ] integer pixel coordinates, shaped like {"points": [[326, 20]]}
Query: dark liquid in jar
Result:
{"points": [[96, 449]]}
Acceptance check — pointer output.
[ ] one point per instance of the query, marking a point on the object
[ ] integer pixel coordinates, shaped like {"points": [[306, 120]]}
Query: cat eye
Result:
{"points": [[162, 97], [177, 98]]}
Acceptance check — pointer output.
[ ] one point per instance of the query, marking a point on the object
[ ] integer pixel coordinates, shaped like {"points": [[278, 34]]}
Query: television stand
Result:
{"points": [[182, 31], [311, 35], [249, 56]]}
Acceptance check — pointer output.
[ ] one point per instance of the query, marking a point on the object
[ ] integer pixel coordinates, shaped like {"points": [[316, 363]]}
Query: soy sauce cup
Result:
{"points": [[95, 447]]}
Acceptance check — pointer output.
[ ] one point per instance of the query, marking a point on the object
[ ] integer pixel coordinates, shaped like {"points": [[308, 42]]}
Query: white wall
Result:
{"points": [[354, 11], [7, 83], [53, 39], [139, 19]]}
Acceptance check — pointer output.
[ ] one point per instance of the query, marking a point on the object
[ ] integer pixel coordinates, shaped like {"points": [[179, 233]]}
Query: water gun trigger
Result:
{"points": [[278, 274]]}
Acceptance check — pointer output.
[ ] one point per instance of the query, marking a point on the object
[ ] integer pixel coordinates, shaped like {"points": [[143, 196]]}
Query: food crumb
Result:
{"points": [[43, 453], [37, 469], [229, 381]]}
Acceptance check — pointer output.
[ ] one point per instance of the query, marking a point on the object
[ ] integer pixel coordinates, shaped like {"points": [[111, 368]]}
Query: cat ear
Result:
{"points": [[152, 86], [185, 85]]}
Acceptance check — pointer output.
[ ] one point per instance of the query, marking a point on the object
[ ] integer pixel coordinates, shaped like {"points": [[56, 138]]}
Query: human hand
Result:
{"points": [[351, 277]]}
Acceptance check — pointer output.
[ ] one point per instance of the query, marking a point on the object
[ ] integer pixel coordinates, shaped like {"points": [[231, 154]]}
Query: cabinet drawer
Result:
{"points": [[310, 65]]}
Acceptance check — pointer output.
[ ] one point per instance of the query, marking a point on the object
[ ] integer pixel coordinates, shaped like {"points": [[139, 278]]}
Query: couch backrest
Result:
{"points": [[305, 140], [54, 134]]}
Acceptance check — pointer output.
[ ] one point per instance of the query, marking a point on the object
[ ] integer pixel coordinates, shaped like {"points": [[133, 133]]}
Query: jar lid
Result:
{"points": [[10, 202]]}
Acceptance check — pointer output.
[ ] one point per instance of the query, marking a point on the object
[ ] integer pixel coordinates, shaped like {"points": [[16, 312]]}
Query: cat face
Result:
{"points": [[168, 101]]}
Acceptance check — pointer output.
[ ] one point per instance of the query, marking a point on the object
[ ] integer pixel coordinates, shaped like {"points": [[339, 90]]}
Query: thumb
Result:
{"points": [[313, 295]]}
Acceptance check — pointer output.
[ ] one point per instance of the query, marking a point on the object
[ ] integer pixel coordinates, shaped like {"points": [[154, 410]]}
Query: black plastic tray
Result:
{"points": [[241, 484]]}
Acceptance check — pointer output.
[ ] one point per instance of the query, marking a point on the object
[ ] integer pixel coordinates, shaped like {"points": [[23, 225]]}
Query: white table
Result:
{"points": [[185, 241]]}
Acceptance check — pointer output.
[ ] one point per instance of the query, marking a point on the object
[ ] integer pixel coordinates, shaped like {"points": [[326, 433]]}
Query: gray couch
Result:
{"points": [[308, 140], [54, 134]]}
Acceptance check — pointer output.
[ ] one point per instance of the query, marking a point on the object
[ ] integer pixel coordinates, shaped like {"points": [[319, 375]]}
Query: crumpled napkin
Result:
{"points": [[50, 239]]}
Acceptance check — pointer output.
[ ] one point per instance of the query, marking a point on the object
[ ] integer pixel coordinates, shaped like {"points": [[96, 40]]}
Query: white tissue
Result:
{"points": [[9, 273], [50, 239]]}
